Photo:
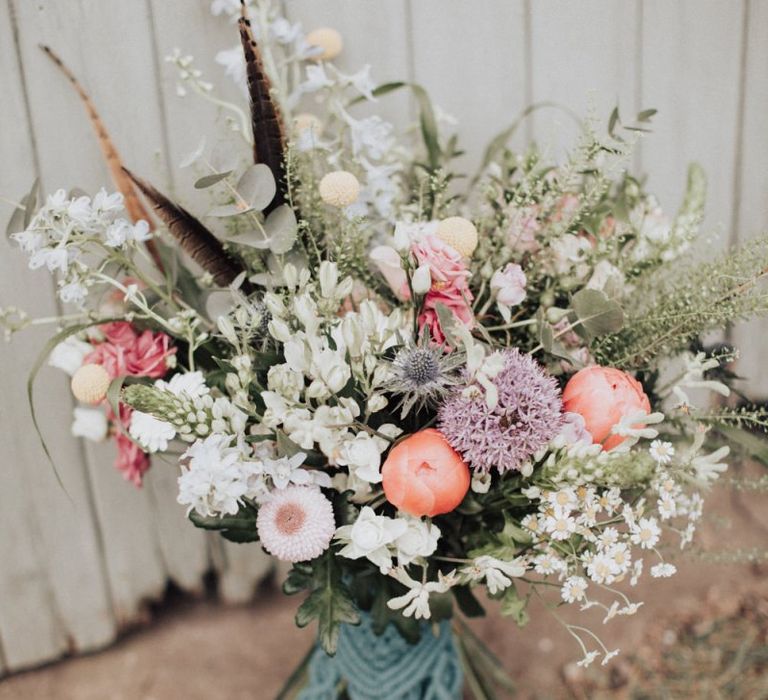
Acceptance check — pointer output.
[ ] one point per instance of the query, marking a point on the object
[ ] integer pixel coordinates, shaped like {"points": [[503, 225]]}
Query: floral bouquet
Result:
{"points": [[410, 388]]}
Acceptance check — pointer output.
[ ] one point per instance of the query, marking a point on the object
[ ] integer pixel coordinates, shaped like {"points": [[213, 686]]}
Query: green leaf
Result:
{"points": [[299, 578], [512, 605], [447, 323], [257, 186], [210, 180], [597, 313], [285, 446], [235, 528], [329, 603], [282, 228], [753, 444], [22, 216], [613, 121], [646, 115], [226, 210]]}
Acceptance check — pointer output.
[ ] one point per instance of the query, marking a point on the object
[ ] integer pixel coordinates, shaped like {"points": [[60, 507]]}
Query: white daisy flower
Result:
{"points": [[574, 588], [663, 570], [662, 451], [646, 533]]}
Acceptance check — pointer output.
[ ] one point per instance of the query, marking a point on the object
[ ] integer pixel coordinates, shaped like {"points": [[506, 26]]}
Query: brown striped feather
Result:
{"points": [[202, 246], [266, 119]]}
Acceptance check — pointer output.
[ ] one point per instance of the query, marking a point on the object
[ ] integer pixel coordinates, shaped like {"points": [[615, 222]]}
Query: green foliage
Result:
{"points": [[329, 601], [598, 314], [238, 528], [672, 310]]}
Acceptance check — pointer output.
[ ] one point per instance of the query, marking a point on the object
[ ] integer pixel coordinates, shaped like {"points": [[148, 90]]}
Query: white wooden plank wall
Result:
{"points": [[74, 572]]}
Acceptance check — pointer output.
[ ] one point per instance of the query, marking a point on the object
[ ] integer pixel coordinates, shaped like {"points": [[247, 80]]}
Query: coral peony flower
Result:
{"points": [[424, 475], [296, 523], [603, 396]]}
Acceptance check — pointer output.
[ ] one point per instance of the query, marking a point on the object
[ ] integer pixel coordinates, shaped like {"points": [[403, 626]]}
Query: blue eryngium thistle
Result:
{"points": [[423, 375]]}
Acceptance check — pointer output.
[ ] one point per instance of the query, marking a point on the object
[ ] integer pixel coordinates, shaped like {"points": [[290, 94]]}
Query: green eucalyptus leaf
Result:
{"points": [[282, 229], [257, 186], [210, 180], [226, 210], [597, 313]]}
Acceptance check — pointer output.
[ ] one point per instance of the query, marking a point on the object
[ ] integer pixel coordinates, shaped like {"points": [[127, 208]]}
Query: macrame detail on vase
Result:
{"points": [[368, 666]]}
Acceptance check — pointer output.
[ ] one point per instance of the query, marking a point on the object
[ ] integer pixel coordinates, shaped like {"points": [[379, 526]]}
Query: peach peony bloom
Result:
{"points": [[424, 475], [603, 396]]}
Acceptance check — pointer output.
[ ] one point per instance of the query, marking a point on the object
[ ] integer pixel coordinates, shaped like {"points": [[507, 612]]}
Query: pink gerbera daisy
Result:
{"points": [[296, 523]]}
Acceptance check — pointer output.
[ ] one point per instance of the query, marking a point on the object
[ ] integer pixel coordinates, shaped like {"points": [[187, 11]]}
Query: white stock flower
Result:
{"points": [[361, 454], [68, 354], [419, 540], [498, 574], [90, 423], [709, 467], [415, 603], [212, 480], [152, 434], [371, 536]]}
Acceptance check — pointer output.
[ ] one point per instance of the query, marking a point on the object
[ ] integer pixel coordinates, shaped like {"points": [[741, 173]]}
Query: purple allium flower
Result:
{"points": [[527, 416]]}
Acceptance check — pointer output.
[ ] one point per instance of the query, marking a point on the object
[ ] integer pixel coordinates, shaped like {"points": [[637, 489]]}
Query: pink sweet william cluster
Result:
{"points": [[449, 274], [125, 352]]}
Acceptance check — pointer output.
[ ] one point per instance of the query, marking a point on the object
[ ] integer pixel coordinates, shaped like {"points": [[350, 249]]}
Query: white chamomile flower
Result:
{"points": [[564, 499], [574, 588], [662, 451], [663, 570], [588, 659], [560, 524], [608, 537], [667, 507], [646, 533]]}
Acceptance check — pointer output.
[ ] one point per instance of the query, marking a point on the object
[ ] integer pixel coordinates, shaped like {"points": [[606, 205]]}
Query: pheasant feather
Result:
{"points": [[202, 246], [133, 204], [266, 119]]}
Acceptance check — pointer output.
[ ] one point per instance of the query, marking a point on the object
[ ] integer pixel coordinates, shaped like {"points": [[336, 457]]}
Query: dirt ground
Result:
{"points": [[196, 649]]}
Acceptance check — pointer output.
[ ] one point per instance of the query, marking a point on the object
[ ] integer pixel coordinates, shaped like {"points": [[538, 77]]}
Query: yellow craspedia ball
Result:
{"points": [[339, 188], [307, 122], [329, 40], [459, 233], [90, 384]]}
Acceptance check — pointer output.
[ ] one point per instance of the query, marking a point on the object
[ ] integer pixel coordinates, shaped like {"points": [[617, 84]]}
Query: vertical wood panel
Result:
{"points": [[51, 577], [751, 187], [690, 72], [125, 93], [472, 61], [584, 57]]}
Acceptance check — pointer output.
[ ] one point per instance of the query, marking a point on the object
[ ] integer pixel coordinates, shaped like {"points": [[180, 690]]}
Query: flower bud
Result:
{"points": [[279, 330], [290, 275], [227, 329], [353, 335], [329, 277], [421, 280]]}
